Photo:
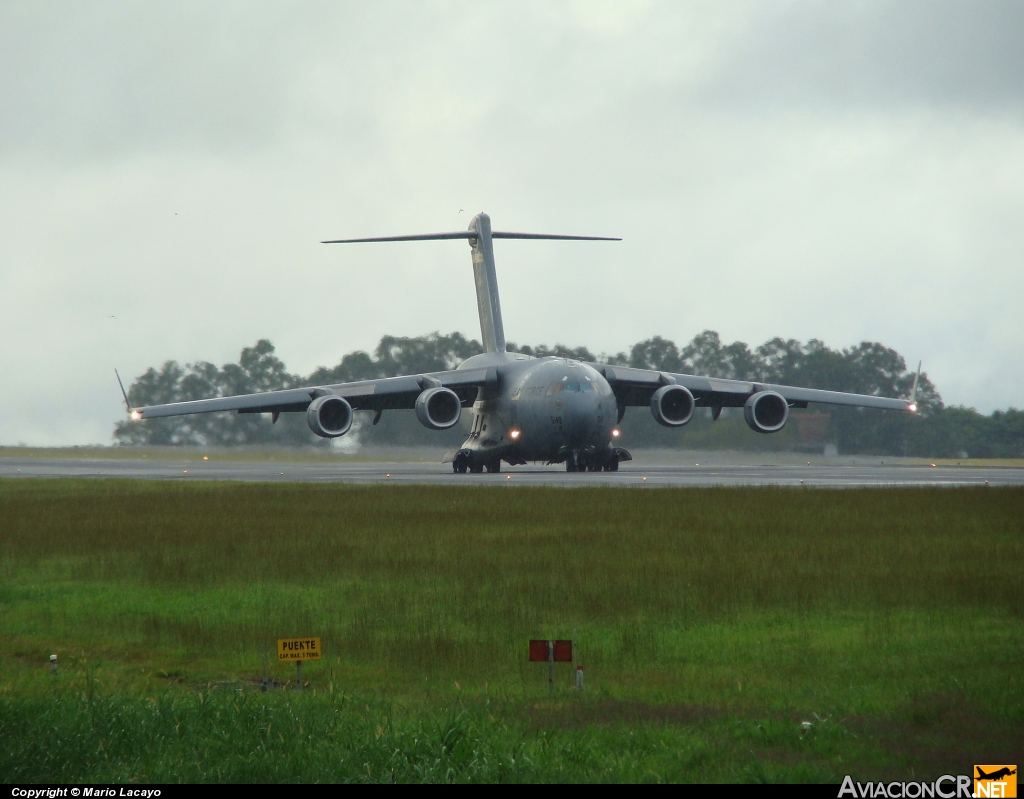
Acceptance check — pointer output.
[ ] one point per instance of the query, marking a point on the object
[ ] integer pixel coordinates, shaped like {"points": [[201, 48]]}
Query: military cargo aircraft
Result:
{"points": [[551, 410]]}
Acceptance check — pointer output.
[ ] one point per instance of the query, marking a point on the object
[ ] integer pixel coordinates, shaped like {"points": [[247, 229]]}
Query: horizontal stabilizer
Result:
{"points": [[472, 234], [500, 234], [458, 234]]}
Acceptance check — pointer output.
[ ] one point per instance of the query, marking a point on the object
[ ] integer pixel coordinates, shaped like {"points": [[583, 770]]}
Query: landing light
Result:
{"points": [[136, 416], [513, 434], [615, 433], [912, 407]]}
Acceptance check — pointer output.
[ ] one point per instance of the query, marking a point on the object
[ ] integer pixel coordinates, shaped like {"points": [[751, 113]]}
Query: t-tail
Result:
{"points": [[480, 238]]}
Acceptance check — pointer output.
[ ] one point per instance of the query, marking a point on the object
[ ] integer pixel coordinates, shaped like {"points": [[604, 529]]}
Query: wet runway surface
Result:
{"points": [[632, 474]]}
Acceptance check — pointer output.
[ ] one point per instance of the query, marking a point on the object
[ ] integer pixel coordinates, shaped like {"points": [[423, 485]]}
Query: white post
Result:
{"points": [[53, 664], [574, 630]]}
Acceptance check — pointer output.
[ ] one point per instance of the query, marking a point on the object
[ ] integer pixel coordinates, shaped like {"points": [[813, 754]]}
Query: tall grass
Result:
{"points": [[331, 738], [435, 574], [783, 602]]}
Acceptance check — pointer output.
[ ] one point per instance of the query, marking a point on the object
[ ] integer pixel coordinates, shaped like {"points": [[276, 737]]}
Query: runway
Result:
{"points": [[635, 474]]}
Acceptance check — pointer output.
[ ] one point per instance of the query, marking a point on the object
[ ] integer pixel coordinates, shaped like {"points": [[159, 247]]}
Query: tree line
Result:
{"points": [[866, 368]]}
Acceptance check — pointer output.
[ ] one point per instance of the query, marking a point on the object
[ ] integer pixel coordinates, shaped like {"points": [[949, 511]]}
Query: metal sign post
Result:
{"points": [[553, 652]]}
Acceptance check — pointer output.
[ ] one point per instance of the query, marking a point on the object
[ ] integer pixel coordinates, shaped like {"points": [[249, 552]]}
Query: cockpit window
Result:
{"points": [[564, 385], [554, 388]]}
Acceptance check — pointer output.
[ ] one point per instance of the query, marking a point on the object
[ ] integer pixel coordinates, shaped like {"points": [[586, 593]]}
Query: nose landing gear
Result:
{"points": [[463, 463], [592, 461]]}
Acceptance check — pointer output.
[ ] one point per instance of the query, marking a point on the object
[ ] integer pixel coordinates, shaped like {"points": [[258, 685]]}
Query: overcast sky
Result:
{"points": [[842, 171]]}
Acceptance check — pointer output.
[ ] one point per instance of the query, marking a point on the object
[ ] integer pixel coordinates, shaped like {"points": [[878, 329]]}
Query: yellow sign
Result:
{"points": [[298, 649], [998, 782]]}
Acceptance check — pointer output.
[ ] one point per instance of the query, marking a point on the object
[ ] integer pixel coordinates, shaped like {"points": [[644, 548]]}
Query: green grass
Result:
{"points": [[710, 622]]}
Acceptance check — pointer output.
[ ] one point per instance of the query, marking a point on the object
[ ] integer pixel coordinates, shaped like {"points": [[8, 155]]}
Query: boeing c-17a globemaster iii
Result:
{"points": [[552, 410]]}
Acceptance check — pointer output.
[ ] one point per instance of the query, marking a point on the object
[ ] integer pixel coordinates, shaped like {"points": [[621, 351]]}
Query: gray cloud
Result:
{"points": [[895, 54], [110, 79]]}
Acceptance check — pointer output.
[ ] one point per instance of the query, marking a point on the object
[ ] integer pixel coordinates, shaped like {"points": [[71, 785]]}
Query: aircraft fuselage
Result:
{"points": [[541, 409]]}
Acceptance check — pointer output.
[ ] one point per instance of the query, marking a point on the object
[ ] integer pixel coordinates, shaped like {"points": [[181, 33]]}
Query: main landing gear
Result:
{"points": [[607, 461]]}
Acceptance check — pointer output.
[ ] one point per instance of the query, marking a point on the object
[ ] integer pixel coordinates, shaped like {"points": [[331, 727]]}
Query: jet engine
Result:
{"points": [[766, 412], [329, 416], [672, 406], [438, 408]]}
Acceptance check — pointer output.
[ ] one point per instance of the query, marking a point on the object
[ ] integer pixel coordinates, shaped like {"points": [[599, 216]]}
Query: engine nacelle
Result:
{"points": [[766, 412], [438, 408], [672, 406], [329, 416]]}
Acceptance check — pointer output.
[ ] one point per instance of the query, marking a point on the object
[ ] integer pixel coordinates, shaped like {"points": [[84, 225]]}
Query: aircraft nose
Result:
{"points": [[581, 412]]}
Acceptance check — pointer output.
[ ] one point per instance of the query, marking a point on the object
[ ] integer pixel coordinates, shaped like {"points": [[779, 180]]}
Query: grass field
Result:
{"points": [[710, 622]]}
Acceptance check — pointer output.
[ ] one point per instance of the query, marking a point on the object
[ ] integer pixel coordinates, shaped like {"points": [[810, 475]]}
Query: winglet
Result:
{"points": [[134, 414], [912, 407]]}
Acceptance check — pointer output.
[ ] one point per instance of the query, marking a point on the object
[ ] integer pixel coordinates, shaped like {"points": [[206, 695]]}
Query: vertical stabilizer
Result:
{"points": [[488, 305]]}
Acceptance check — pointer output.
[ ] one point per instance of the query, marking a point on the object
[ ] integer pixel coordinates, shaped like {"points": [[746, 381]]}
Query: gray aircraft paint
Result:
{"points": [[555, 406], [524, 408], [492, 332]]}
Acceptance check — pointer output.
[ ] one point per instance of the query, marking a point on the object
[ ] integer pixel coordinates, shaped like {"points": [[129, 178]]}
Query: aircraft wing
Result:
{"points": [[373, 395], [635, 387]]}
